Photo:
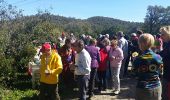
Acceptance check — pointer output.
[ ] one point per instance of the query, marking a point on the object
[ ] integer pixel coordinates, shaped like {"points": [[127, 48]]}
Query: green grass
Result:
{"points": [[7, 94], [19, 89]]}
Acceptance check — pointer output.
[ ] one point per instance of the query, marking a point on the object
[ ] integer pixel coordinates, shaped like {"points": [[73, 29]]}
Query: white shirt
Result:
{"points": [[83, 61]]}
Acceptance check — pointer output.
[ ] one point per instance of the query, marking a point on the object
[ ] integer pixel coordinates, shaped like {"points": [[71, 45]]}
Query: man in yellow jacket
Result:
{"points": [[50, 68]]}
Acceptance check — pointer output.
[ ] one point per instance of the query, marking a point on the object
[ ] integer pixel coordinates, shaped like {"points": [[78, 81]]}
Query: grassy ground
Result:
{"points": [[20, 89]]}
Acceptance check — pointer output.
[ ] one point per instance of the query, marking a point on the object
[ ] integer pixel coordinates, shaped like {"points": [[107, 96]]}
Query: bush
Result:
{"points": [[6, 94], [7, 72], [23, 56]]}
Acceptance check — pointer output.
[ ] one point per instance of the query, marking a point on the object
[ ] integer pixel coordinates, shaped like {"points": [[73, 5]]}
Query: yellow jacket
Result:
{"points": [[54, 66]]}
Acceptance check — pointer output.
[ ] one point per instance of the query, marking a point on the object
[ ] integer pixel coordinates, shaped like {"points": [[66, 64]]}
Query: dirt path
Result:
{"points": [[127, 91]]}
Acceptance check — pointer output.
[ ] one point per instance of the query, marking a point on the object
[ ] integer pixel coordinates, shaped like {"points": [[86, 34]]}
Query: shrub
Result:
{"points": [[6, 94], [7, 72]]}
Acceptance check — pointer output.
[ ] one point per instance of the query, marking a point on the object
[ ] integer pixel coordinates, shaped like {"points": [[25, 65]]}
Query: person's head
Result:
{"points": [[139, 32], [133, 36], [114, 43], [114, 37], [165, 33], [93, 41], [106, 42], [46, 49], [62, 35], [120, 34], [78, 45], [107, 36], [146, 41], [68, 42]]}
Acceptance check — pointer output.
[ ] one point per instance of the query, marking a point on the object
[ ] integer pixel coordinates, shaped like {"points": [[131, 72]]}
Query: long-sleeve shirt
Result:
{"points": [[95, 56], [118, 54], [148, 67], [123, 44], [54, 65], [83, 63]]}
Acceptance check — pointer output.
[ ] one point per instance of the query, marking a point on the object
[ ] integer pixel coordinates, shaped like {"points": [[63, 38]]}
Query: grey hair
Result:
{"points": [[165, 30]]}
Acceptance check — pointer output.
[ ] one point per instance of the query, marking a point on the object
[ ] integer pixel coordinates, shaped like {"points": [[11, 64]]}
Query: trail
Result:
{"points": [[127, 91]]}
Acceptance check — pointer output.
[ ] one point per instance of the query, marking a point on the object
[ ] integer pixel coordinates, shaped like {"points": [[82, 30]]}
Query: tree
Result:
{"points": [[156, 16], [7, 14]]}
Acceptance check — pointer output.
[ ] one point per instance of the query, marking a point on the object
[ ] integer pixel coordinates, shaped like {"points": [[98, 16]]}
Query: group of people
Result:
{"points": [[89, 62]]}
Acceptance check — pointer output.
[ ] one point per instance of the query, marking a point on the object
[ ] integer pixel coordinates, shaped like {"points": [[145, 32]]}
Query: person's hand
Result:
{"points": [[72, 67], [112, 58], [47, 72]]}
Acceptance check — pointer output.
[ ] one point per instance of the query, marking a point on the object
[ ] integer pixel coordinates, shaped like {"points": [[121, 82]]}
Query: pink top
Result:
{"points": [[117, 53]]}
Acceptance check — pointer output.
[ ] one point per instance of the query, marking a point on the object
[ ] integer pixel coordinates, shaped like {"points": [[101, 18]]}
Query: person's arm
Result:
{"points": [[120, 44], [98, 56], [160, 63], [120, 55], [58, 65], [135, 64]]}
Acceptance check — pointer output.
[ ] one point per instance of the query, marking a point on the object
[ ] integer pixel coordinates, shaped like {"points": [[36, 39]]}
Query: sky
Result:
{"points": [[127, 10]]}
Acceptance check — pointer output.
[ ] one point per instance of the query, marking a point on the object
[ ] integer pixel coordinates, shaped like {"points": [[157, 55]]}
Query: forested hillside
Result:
{"points": [[19, 34]]}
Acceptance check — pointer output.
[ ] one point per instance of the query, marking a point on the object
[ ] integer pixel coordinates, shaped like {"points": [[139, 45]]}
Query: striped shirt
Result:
{"points": [[147, 67]]}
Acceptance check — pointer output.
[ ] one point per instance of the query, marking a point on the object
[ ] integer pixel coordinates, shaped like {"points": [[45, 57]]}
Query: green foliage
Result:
{"points": [[19, 35], [24, 56], [6, 94], [21, 89], [105, 25], [8, 12], [156, 17], [46, 31], [6, 70]]}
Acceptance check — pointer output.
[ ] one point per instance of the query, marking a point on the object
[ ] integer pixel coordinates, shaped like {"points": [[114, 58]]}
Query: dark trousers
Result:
{"points": [[164, 89], [48, 92], [67, 79], [127, 65], [92, 80], [82, 81], [148, 94], [102, 80]]}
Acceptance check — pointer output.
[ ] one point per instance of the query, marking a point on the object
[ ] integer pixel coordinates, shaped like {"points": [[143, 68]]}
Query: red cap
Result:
{"points": [[46, 46]]}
